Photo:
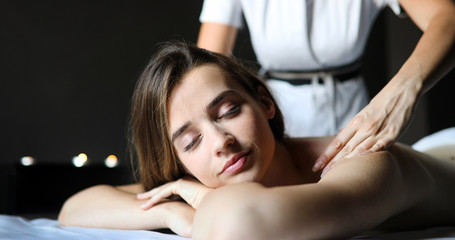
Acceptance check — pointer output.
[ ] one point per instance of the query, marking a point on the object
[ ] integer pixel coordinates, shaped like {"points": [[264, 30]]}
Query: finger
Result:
{"points": [[159, 195], [382, 144], [327, 168], [333, 163], [164, 193], [358, 143], [151, 193], [148, 204], [363, 148], [355, 126], [147, 195], [152, 202], [382, 141], [389, 136], [362, 143], [333, 148], [155, 199]]}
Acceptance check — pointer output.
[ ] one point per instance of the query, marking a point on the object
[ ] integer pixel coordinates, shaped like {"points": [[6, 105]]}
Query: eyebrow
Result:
{"points": [[210, 105], [219, 98]]}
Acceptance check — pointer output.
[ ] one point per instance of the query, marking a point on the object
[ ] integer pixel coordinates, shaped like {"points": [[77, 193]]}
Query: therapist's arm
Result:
{"points": [[217, 37], [389, 113], [434, 54]]}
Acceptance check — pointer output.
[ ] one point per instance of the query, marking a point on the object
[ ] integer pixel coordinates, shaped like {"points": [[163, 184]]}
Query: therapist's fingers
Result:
{"points": [[356, 146], [357, 130], [336, 145], [380, 145], [362, 139], [368, 122], [380, 141], [371, 144], [360, 142]]}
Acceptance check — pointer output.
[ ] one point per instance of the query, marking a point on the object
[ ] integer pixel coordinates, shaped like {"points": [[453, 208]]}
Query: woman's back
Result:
{"points": [[436, 177], [428, 181]]}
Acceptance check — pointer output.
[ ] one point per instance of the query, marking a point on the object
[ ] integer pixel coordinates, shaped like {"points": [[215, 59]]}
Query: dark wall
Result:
{"points": [[68, 69]]}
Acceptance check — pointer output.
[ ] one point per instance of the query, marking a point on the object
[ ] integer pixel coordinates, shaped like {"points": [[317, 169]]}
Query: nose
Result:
{"points": [[222, 140]]}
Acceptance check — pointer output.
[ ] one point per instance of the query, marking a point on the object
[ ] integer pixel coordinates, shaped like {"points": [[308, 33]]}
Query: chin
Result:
{"points": [[244, 177]]}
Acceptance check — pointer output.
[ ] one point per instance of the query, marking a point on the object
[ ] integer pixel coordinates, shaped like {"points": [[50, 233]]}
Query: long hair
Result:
{"points": [[157, 160]]}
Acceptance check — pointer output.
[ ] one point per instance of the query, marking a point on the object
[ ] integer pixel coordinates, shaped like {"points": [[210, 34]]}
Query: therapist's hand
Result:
{"points": [[375, 127]]}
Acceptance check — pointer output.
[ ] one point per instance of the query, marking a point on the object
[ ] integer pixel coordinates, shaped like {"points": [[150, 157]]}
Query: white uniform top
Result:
{"points": [[301, 35], [307, 35]]}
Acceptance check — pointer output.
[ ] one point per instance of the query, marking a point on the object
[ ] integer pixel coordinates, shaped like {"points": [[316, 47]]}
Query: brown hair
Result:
{"points": [[158, 163]]}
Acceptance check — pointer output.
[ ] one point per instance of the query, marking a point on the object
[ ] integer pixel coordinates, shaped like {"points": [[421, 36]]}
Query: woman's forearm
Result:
{"points": [[109, 207]]}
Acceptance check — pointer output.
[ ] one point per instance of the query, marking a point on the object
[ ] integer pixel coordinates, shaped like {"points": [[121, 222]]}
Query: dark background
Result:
{"points": [[68, 69]]}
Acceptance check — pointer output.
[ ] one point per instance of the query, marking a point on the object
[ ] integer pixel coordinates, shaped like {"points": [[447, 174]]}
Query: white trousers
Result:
{"points": [[319, 109]]}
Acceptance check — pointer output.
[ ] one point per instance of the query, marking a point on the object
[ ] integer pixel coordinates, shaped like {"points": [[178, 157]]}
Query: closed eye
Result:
{"points": [[192, 143], [231, 112]]}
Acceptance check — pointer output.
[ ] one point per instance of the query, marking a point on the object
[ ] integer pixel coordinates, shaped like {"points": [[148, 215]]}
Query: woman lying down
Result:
{"points": [[208, 130]]}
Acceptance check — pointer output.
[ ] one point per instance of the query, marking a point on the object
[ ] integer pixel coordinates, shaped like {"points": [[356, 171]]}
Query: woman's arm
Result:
{"points": [[217, 37], [380, 123], [106, 206], [355, 196]]}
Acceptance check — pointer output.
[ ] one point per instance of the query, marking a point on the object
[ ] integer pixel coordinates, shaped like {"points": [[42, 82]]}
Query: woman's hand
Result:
{"points": [[374, 128], [190, 189]]}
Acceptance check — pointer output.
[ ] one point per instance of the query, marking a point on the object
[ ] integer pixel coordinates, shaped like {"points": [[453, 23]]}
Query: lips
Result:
{"points": [[236, 163]]}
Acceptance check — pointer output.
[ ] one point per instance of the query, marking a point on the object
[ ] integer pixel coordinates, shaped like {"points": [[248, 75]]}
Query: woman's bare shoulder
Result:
{"points": [[374, 168], [402, 157]]}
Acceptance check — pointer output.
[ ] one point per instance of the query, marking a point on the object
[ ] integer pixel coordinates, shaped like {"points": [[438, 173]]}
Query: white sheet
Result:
{"points": [[14, 227], [442, 138], [17, 228]]}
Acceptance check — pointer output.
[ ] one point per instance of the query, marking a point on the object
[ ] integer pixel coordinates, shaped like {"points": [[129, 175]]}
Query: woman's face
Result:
{"points": [[220, 133]]}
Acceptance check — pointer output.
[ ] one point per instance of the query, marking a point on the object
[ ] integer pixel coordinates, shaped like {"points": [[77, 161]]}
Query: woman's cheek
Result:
{"points": [[248, 122], [199, 165]]}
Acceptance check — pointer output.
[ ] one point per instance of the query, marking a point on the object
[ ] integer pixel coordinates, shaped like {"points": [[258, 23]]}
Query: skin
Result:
{"points": [[106, 206], [339, 206], [275, 195], [385, 118]]}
